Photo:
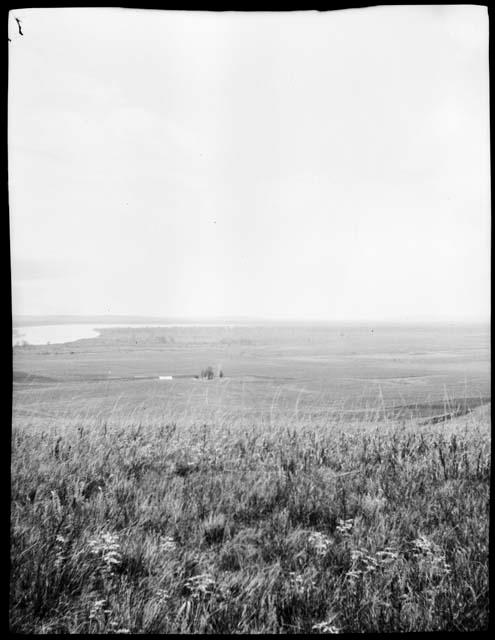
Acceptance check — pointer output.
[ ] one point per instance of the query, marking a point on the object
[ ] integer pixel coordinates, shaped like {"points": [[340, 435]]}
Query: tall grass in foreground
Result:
{"points": [[218, 528]]}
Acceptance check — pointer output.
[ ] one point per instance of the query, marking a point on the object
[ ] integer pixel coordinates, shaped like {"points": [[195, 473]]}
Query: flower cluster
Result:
{"points": [[117, 629], [97, 608], [298, 584], [327, 626], [344, 527], [430, 557], [106, 547], [201, 585], [167, 544], [387, 556], [319, 542], [100, 613], [364, 563], [162, 595]]}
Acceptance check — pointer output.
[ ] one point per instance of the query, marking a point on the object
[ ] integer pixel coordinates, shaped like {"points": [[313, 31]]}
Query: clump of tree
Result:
{"points": [[209, 373]]}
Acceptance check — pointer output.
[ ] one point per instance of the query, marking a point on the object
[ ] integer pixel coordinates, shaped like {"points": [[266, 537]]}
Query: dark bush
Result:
{"points": [[208, 373]]}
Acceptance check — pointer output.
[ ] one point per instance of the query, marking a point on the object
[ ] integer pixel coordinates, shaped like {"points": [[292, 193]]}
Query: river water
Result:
{"points": [[62, 333]]}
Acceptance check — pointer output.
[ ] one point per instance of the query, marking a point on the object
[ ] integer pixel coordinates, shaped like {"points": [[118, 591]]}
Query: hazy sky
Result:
{"points": [[308, 165]]}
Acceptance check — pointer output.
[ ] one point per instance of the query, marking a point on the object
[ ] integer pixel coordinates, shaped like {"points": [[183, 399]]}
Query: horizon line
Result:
{"points": [[251, 319]]}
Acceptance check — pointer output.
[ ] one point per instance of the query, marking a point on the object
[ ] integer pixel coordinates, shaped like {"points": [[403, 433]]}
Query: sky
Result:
{"points": [[302, 165]]}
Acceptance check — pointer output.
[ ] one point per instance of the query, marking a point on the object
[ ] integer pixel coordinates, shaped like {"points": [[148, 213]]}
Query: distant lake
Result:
{"points": [[62, 333]]}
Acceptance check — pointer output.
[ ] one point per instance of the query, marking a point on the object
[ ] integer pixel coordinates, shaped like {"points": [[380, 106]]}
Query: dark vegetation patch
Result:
{"points": [[22, 376]]}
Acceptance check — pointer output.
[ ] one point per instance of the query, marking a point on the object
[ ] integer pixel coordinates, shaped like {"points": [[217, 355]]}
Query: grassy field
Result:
{"points": [[217, 528], [318, 369], [140, 506]]}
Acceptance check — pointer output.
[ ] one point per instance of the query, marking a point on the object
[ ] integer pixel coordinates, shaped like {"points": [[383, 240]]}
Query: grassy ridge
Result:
{"points": [[223, 528]]}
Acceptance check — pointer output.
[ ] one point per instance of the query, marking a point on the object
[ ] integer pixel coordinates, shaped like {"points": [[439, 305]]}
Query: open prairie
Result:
{"points": [[290, 370], [335, 479]]}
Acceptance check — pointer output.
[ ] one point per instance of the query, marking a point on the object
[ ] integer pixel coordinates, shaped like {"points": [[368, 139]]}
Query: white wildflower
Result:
{"points": [[96, 608], [298, 583], [362, 563], [327, 626], [422, 545], [430, 557], [344, 527], [200, 585], [387, 556], [162, 595], [107, 548], [319, 542], [167, 544]]}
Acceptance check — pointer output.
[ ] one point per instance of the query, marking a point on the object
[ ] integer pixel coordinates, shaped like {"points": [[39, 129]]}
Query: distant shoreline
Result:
{"points": [[31, 320]]}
